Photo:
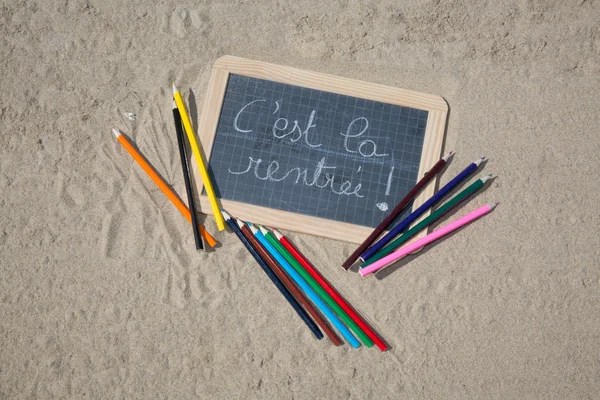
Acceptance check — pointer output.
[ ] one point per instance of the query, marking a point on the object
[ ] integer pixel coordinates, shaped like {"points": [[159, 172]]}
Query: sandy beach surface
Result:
{"points": [[103, 296]]}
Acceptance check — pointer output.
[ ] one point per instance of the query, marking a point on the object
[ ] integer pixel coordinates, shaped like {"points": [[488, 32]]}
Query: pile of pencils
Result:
{"points": [[375, 255], [311, 296], [182, 121], [297, 279]]}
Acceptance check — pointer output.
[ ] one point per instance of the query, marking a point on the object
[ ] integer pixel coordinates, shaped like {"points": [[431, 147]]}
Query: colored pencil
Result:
{"points": [[322, 293], [437, 214], [162, 185], [306, 288], [429, 175], [424, 241], [405, 223], [289, 284], [284, 291], [186, 176], [210, 192], [332, 292]]}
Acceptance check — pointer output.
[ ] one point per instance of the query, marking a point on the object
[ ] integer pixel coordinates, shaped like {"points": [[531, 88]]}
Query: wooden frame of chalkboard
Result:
{"points": [[431, 149]]}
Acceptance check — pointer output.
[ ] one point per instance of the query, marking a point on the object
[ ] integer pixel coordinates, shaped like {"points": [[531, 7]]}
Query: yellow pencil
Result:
{"points": [[189, 130]]}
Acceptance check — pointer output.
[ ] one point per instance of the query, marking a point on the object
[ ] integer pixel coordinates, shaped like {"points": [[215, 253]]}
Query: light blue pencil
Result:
{"points": [[306, 288]]}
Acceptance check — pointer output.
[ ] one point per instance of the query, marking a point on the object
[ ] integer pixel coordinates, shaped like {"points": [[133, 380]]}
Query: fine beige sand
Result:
{"points": [[103, 296]]}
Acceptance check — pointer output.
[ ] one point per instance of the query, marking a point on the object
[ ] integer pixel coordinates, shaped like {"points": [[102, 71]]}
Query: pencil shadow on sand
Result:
{"points": [[193, 109], [202, 221], [460, 209]]}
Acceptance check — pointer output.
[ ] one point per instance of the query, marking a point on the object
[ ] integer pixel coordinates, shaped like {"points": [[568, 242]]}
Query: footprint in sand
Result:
{"points": [[181, 22]]}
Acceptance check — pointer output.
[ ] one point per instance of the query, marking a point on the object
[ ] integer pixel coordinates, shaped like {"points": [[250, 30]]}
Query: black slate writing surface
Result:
{"points": [[313, 152]]}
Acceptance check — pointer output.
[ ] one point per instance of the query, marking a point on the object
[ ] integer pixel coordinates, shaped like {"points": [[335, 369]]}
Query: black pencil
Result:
{"points": [[186, 177], [284, 291]]}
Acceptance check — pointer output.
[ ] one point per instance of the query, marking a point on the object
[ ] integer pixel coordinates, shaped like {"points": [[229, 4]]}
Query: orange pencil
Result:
{"points": [[161, 184]]}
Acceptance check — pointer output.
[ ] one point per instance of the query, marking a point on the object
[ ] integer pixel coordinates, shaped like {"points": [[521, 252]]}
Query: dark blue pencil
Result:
{"points": [[299, 310], [405, 223]]}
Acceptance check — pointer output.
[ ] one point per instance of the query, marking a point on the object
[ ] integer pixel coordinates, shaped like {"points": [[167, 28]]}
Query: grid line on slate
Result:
{"points": [[239, 175]]}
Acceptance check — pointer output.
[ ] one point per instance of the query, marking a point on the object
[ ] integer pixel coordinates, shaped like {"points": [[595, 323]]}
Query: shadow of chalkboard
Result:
{"points": [[314, 152]]}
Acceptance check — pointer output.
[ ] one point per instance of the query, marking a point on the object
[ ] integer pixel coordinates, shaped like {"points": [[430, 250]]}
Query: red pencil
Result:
{"points": [[329, 289], [429, 175]]}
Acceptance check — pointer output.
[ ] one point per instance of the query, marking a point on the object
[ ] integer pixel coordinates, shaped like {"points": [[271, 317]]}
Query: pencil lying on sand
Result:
{"points": [[405, 223], [428, 177], [306, 288], [332, 292], [424, 241], [210, 192], [288, 283], [437, 214], [122, 139], [284, 291], [186, 176], [321, 292]]}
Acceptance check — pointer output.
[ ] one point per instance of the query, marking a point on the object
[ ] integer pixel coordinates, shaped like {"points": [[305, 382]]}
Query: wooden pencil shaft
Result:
{"points": [[433, 200], [431, 174], [305, 287], [331, 290], [288, 296], [322, 293], [198, 156], [186, 178], [433, 236], [163, 186], [399, 241], [285, 279]]}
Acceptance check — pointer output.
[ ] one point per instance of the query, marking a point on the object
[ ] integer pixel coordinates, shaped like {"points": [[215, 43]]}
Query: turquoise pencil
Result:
{"points": [[306, 288]]}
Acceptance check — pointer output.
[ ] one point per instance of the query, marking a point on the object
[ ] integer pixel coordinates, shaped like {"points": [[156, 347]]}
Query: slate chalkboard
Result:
{"points": [[278, 144], [316, 153]]}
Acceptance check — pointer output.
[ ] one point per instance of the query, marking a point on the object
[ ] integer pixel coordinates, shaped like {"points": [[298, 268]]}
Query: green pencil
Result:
{"points": [[437, 214], [317, 288]]}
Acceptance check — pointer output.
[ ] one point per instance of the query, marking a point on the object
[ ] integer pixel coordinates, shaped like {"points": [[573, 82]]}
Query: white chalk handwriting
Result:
{"points": [[356, 142], [279, 131], [366, 148], [302, 176]]}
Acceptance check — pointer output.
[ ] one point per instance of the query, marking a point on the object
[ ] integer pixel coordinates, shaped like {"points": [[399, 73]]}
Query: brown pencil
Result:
{"points": [[283, 277], [429, 175]]}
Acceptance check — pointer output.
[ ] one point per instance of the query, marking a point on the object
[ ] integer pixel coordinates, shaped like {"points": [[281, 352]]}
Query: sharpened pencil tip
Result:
{"points": [[263, 230], [448, 156], [253, 229], [226, 215], [116, 133], [485, 178], [240, 223], [494, 205], [479, 161], [278, 234], [174, 88]]}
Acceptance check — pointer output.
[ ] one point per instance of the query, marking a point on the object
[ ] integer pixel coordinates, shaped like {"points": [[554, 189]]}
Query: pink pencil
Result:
{"points": [[433, 236]]}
